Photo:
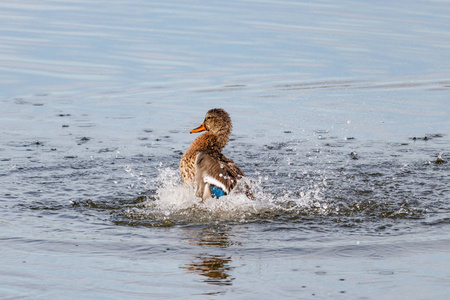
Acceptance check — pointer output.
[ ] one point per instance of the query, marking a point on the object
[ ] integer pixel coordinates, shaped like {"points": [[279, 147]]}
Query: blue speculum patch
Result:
{"points": [[216, 191]]}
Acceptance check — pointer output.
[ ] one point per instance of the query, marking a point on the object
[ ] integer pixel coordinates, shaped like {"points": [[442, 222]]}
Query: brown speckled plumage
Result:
{"points": [[204, 162]]}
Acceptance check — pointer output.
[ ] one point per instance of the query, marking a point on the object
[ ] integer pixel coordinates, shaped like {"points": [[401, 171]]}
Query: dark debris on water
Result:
{"points": [[427, 137]]}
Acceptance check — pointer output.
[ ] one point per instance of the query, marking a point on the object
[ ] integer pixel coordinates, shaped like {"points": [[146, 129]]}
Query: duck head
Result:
{"points": [[216, 121]]}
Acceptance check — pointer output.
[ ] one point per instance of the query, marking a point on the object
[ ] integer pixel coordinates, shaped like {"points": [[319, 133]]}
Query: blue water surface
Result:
{"points": [[341, 123]]}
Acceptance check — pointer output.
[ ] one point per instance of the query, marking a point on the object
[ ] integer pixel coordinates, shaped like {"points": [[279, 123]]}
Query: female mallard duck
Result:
{"points": [[203, 165]]}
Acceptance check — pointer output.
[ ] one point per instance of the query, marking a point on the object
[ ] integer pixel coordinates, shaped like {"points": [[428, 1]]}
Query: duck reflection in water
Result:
{"points": [[214, 267]]}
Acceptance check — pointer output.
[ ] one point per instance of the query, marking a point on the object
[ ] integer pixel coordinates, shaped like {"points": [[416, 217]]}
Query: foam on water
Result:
{"points": [[174, 203]]}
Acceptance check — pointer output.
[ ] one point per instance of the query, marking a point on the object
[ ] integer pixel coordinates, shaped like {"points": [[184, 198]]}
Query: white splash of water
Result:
{"points": [[178, 203]]}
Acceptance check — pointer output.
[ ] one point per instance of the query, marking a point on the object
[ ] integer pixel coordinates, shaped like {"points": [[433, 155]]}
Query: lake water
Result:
{"points": [[341, 124]]}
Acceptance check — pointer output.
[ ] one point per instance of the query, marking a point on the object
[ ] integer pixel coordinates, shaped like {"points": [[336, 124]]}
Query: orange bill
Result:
{"points": [[198, 129]]}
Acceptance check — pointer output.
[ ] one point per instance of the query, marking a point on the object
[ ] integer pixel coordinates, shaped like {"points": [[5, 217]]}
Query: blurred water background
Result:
{"points": [[341, 123]]}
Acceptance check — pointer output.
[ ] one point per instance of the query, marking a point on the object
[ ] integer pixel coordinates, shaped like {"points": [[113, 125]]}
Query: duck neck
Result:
{"points": [[222, 140], [215, 142], [222, 136]]}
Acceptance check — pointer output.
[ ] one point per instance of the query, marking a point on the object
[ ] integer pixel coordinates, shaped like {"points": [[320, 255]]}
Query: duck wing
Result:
{"points": [[215, 175]]}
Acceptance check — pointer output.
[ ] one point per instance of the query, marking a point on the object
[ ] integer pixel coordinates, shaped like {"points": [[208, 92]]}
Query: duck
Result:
{"points": [[203, 166]]}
